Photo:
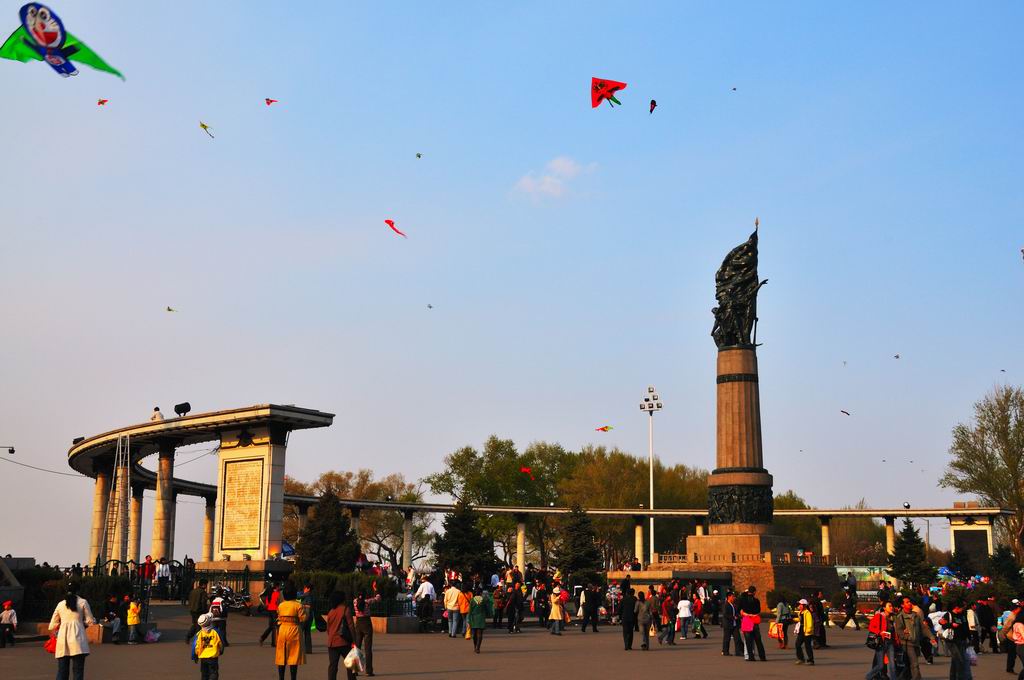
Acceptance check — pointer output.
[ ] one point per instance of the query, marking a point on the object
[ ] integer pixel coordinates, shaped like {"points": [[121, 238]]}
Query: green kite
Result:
{"points": [[41, 37]]}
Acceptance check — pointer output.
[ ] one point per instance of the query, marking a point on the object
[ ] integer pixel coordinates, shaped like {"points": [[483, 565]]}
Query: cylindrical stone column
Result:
{"points": [[739, 488], [100, 498], [638, 537], [890, 535], [700, 527], [521, 543], [163, 508], [174, 524], [355, 524], [211, 507], [407, 540], [301, 518], [826, 548], [122, 522], [135, 525]]}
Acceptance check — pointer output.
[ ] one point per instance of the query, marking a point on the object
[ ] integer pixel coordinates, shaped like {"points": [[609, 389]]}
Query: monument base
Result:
{"points": [[744, 547]]}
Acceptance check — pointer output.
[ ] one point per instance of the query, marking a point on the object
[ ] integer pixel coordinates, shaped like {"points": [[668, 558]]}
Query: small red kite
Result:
{"points": [[603, 428], [391, 223], [270, 101], [102, 102], [601, 90]]}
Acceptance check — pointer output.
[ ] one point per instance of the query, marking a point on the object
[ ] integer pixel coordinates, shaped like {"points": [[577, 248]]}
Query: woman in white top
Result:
{"points": [[70, 619], [685, 613]]}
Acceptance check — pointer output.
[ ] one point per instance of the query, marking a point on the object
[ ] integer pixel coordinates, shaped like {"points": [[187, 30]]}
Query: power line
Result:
{"points": [[52, 472]]}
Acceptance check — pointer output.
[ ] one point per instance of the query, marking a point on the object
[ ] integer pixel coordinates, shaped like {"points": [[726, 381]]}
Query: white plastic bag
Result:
{"points": [[355, 661], [152, 635], [972, 656]]}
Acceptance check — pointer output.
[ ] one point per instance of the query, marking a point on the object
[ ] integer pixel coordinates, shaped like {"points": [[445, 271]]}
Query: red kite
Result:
{"points": [[102, 102], [270, 101], [391, 223], [601, 90], [603, 428]]}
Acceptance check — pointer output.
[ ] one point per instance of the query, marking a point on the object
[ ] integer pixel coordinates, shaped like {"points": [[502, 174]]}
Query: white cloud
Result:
{"points": [[553, 181]]}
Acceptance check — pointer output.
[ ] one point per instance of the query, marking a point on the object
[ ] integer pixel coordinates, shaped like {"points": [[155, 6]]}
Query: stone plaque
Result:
{"points": [[242, 513]]}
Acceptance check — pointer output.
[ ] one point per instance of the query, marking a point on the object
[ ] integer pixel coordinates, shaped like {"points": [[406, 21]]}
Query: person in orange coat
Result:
{"points": [[290, 614]]}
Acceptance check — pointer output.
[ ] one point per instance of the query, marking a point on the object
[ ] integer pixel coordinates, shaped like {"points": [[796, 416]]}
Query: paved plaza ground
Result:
{"points": [[533, 654]]}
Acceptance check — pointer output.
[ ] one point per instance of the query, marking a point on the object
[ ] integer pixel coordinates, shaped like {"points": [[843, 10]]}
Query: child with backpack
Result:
{"points": [[207, 648]]}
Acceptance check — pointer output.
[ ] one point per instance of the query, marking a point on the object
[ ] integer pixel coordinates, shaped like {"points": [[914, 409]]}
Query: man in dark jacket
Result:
{"points": [[987, 624], [591, 604], [911, 633], [513, 607], [751, 606], [956, 620], [731, 626], [627, 615], [198, 604], [850, 609]]}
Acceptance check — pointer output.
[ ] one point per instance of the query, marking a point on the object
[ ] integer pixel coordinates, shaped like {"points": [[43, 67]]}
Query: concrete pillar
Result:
{"points": [[407, 540], [208, 518], [163, 508], [118, 550], [890, 535], [700, 527], [638, 537], [303, 517], [174, 522], [100, 495], [135, 525], [521, 543], [826, 548], [355, 523]]}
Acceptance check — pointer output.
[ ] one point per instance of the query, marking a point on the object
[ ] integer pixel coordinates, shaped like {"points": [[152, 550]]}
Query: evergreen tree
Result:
{"points": [[463, 546], [579, 556], [1003, 565], [961, 564], [327, 543], [908, 562]]}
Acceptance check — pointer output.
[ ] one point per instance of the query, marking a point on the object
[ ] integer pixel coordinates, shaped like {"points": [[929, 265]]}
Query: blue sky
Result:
{"points": [[569, 253]]}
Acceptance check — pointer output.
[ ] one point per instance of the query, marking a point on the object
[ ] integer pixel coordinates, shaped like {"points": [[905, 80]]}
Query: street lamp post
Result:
{"points": [[650, 404]]}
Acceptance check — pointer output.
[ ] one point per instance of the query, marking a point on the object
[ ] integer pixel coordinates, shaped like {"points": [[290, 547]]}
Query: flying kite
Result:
{"points": [[430, 306], [895, 356], [102, 102], [842, 411], [527, 471], [269, 101], [601, 90], [206, 129], [603, 428], [419, 155], [169, 309], [41, 37], [391, 223], [654, 105]]}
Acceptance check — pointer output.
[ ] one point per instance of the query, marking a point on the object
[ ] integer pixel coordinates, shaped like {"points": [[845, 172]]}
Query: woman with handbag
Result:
{"points": [[340, 634], [70, 619], [880, 639], [783, 617], [557, 612]]}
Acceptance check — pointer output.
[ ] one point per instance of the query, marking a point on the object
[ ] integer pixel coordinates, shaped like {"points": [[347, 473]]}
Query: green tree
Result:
{"points": [[806, 530], [988, 459], [578, 556], [501, 475], [327, 543], [961, 564], [908, 561], [381, 531], [464, 546], [1004, 566]]}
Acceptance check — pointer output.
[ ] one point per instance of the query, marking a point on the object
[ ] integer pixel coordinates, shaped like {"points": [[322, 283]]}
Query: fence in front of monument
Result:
{"points": [[237, 581]]}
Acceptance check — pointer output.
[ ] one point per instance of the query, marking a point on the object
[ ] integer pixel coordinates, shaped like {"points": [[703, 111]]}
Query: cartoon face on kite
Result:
{"points": [[41, 37], [604, 90], [44, 27]]}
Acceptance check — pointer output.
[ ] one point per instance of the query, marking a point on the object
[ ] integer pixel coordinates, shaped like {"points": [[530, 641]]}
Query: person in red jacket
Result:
{"points": [[271, 597], [881, 627]]}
